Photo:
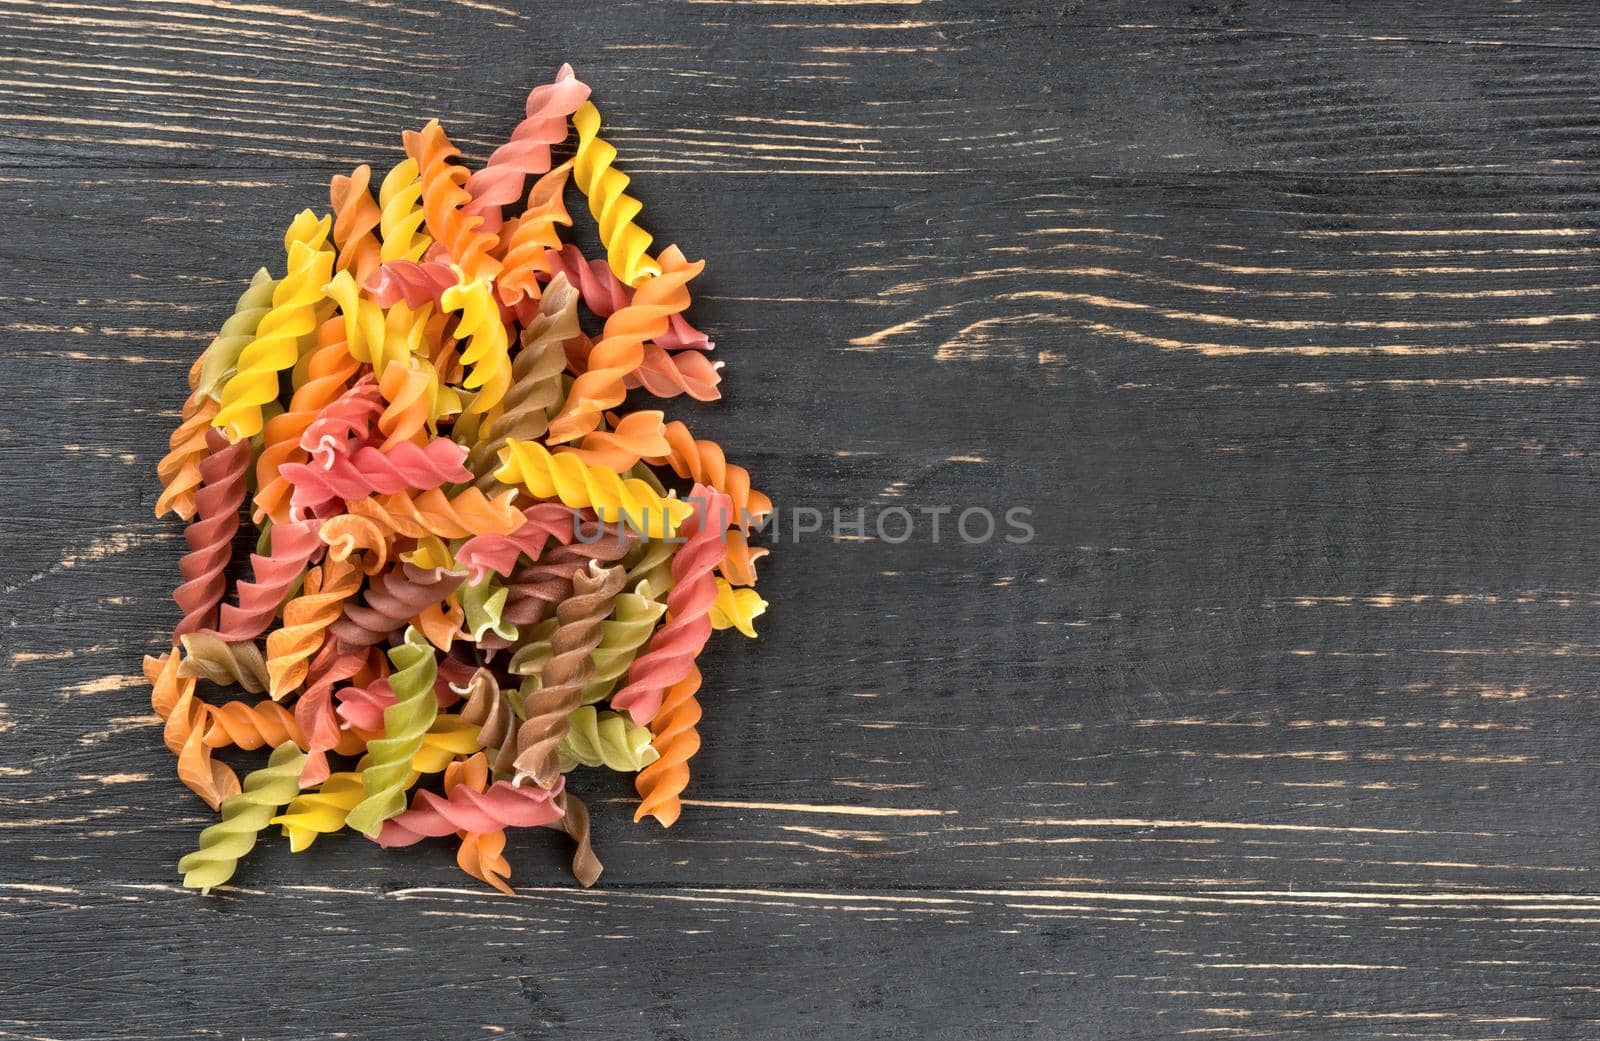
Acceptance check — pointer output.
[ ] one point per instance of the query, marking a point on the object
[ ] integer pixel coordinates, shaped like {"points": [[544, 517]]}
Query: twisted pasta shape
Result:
{"points": [[444, 195], [638, 434], [483, 555], [210, 534], [244, 817], [443, 623], [736, 609], [183, 719], [209, 657], [276, 345], [669, 375], [703, 461], [306, 619], [540, 586], [410, 291], [501, 805], [368, 471], [347, 535], [620, 349], [534, 237], [320, 811], [391, 600], [355, 217], [294, 546], [325, 809], [343, 423], [605, 186], [405, 722], [603, 293], [739, 566], [660, 784], [689, 372], [545, 711], [246, 725], [674, 647], [586, 867], [447, 738], [361, 708], [483, 604], [614, 499], [500, 181], [431, 551], [486, 707], [179, 469], [400, 217], [313, 711], [329, 367], [531, 655], [481, 854], [605, 739], [222, 356], [487, 356], [366, 327], [633, 619], [535, 381], [415, 284], [468, 513], [412, 390]]}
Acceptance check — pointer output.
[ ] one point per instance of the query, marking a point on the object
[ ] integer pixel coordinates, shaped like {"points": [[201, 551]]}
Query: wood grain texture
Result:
{"points": [[1279, 318]]}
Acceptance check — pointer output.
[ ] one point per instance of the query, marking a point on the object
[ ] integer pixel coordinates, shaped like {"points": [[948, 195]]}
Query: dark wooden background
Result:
{"points": [[1280, 316]]}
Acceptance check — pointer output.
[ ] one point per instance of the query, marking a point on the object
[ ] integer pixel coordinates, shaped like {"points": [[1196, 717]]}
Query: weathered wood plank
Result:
{"points": [[712, 963], [855, 91]]}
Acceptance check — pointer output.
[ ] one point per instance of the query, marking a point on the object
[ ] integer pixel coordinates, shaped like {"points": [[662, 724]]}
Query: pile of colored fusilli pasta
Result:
{"points": [[471, 578]]}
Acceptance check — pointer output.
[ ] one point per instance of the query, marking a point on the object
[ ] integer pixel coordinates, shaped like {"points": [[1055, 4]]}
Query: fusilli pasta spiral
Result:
{"points": [[444, 197], [620, 350], [614, 499], [276, 344], [405, 722], [463, 515], [273, 575], [545, 711], [677, 643], [244, 817], [527, 154], [184, 720], [329, 367], [594, 168], [400, 217], [355, 218], [736, 608], [221, 358], [535, 382], [535, 236], [392, 599], [209, 657], [306, 619], [487, 356], [605, 739], [210, 534], [660, 784]]}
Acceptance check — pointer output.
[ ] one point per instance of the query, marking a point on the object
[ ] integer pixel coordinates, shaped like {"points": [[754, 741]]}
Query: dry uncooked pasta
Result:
{"points": [[478, 570]]}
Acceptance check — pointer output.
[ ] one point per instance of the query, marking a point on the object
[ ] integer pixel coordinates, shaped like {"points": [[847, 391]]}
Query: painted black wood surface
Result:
{"points": [[1279, 316]]}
